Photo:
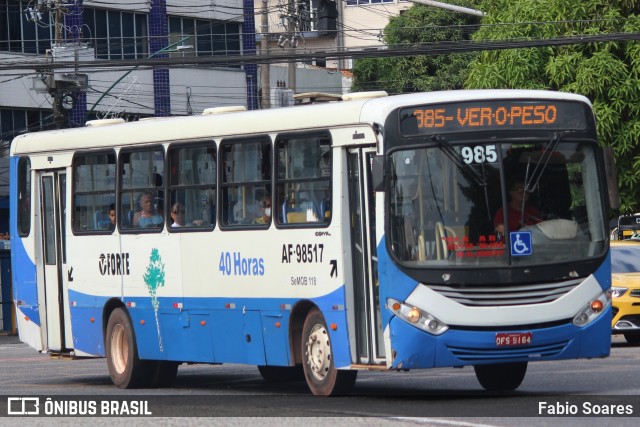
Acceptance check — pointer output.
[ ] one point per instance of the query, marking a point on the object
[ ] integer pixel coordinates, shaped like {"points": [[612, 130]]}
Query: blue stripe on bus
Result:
{"points": [[255, 331], [24, 273], [388, 272], [603, 273], [23, 270]]}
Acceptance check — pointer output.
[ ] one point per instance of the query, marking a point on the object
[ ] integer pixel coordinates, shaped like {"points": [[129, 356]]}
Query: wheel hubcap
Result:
{"points": [[319, 352]]}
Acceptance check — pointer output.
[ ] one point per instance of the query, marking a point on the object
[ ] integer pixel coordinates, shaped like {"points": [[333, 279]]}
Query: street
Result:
{"points": [[426, 397]]}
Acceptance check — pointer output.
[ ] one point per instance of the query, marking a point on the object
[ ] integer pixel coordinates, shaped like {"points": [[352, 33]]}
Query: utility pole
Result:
{"points": [[59, 116], [293, 17], [66, 87], [265, 78], [340, 34], [291, 29]]}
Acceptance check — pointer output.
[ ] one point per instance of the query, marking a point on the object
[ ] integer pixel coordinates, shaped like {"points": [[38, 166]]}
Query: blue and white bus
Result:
{"points": [[318, 240]]}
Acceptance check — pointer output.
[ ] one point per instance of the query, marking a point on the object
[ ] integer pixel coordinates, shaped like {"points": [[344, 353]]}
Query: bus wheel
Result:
{"points": [[125, 368], [632, 338], [281, 374], [163, 373], [501, 376], [322, 376]]}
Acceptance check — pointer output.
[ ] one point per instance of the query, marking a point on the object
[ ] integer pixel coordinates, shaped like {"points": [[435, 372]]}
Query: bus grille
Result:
{"points": [[485, 296], [468, 354]]}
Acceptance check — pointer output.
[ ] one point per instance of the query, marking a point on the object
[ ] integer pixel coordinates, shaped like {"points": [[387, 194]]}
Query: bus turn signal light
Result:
{"points": [[597, 306]]}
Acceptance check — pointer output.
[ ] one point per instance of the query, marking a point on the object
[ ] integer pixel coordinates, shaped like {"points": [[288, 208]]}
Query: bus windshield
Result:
{"points": [[448, 199]]}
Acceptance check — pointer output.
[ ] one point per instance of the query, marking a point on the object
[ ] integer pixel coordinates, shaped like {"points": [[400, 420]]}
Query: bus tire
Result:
{"points": [[163, 373], [281, 374], [125, 368], [501, 376], [320, 373]]}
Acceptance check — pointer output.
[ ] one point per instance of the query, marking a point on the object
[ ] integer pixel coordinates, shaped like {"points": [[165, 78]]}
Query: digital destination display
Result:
{"points": [[492, 115]]}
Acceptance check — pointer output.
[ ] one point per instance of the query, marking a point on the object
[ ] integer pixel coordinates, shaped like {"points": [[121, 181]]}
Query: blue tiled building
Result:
{"points": [[123, 30]]}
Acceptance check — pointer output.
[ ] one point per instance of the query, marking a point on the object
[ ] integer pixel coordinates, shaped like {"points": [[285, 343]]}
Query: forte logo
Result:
{"points": [[114, 264]]}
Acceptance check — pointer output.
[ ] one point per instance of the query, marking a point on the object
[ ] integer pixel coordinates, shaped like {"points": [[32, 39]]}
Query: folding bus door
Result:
{"points": [[56, 319], [369, 335]]}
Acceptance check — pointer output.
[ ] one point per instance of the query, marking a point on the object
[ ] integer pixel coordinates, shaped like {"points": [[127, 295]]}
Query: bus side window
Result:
{"points": [[142, 204], [94, 190], [24, 196], [246, 181], [192, 186], [303, 180]]}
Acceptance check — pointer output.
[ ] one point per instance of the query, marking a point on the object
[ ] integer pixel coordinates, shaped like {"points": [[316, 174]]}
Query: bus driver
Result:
{"points": [[517, 200]]}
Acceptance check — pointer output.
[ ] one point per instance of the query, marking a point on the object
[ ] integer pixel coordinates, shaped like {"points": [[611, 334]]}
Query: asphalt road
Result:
{"points": [[237, 395]]}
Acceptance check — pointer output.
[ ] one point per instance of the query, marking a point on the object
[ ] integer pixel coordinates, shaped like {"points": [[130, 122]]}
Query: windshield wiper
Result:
{"points": [[454, 156], [542, 163], [539, 169]]}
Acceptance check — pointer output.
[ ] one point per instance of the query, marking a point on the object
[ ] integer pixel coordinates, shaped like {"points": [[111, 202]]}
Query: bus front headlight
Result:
{"points": [[593, 309], [417, 317]]}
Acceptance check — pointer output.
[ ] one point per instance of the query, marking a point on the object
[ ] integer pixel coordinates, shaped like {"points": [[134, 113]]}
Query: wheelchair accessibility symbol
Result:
{"points": [[520, 243]]}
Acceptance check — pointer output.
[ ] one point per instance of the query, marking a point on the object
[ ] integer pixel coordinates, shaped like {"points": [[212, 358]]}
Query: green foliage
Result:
{"points": [[418, 25], [607, 73]]}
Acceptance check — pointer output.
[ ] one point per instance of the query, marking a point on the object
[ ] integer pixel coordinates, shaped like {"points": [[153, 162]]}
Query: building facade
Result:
{"points": [[319, 26], [83, 30]]}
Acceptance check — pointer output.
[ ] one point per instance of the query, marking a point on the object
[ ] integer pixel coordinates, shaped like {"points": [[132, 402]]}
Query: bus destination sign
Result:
{"points": [[492, 115]]}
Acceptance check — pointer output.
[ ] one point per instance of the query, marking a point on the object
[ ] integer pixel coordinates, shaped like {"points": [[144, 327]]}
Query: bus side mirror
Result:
{"points": [[612, 178], [377, 173]]}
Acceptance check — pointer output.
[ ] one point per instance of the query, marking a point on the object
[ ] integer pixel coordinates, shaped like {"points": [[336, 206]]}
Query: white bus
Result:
{"points": [[315, 241]]}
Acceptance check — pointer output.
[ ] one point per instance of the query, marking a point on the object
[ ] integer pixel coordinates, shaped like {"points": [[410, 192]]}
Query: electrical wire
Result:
{"points": [[433, 48]]}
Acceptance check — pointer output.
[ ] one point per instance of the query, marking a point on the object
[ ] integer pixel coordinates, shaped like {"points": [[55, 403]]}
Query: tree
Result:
{"points": [[607, 73], [419, 24]]}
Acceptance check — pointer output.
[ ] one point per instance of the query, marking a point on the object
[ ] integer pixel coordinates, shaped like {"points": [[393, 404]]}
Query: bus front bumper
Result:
{"points": [[413, 348]]}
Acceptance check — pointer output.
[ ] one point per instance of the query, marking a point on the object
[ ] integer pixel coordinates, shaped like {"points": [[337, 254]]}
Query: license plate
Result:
{"points": [[505, 339]]}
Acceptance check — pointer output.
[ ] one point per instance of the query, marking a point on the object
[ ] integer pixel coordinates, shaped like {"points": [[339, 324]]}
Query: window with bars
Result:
{"points": [[16, 121], [205, 38], [117, 34], [17, 34]]}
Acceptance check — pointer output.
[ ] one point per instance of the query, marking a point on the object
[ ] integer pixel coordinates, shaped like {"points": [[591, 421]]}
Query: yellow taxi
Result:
{"points": [[625, 288]]}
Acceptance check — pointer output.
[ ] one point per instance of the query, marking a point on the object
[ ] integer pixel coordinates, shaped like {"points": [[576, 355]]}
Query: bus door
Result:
{"points": [[370, 345], [54, 310]]}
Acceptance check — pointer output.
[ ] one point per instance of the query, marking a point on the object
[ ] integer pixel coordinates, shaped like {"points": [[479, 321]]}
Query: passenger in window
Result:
{"points": [[148, 216], [265, 208], [244, 211], [516, 217], [112, 217], [178, 215]]}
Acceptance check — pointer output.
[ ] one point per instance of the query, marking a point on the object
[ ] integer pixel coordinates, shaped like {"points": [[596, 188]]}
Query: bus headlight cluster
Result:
{"points": [[417, 317], [593, 309]]}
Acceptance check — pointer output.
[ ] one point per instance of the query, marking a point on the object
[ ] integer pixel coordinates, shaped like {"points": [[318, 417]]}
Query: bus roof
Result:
{"points": [[238, 123]]}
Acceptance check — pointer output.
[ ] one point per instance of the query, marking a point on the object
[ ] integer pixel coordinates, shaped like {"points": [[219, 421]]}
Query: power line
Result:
{"points": [[434, 48]]}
